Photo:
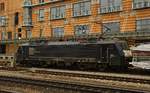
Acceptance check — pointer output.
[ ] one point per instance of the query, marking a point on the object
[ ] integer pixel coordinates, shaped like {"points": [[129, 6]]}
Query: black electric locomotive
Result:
{"points": [[99, 55]]}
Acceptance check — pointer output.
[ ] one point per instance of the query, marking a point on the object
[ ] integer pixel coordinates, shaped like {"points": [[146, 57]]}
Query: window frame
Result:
{"points": [[140, 4], [41, 1], [111, 31], [111, 7], [2, 7], [2, 21], [3, 35], [29, 34], [78, 33], [60, 33], [9, 35], [142, 26], [27, 17], [41, 15], [16, 18], [81, 7], [57, 14]]}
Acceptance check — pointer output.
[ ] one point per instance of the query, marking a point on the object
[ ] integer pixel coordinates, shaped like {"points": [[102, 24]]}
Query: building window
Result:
{"points": [[57, 12], [107, 6], [141, 4], [82, 9], [111, 27], [29, 34], [41, 1], [41, 15], [27, 13], [27, 3], [9, 35], [58, 32], [81, 30], [143, 25], [3, 35], [27, 17], [2, 7], [2, 21], [16, 19]]}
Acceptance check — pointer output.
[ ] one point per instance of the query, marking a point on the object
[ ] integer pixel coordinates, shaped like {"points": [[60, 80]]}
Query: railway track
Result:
{"points": [[68, 86], [91, 75], [7, 91], [96, 75], [136, 79]]}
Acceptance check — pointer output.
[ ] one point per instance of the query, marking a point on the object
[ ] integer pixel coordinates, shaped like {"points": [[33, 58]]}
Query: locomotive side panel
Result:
{"points": [[78, 51], [96, 55]]}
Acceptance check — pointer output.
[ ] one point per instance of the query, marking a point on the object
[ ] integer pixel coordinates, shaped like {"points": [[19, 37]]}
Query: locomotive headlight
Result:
{"points": [[127, 53]]}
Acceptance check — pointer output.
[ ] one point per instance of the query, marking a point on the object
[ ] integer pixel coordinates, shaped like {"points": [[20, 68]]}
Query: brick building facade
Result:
{"points": [[28, 19], [10, 20]]}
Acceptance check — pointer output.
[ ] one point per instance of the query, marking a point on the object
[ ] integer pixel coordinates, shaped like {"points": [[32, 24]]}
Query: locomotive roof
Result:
{"points": [[69, 43], [142, 47]]}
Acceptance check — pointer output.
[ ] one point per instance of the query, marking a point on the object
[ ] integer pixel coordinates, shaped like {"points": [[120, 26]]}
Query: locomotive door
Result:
{"points": [[103, 55], [109, 50], [106, 55]]}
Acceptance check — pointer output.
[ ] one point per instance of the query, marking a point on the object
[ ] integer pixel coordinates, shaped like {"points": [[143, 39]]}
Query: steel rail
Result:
{"points": [[95, 76], [67, 85], [89, 75], [8, 91]]}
